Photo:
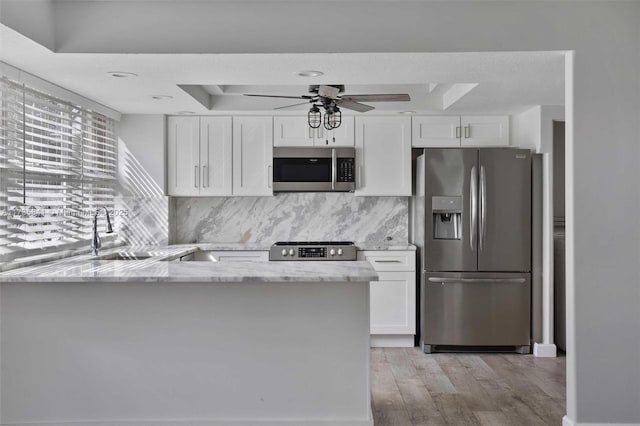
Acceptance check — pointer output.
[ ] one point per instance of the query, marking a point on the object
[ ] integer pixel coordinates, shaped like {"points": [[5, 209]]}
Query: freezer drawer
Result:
{"points": [[476, 309]]}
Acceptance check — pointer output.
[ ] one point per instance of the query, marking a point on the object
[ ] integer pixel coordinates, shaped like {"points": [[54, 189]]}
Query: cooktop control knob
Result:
{"points": [[339, 252], [284, 252], [292, 252], [332, 252]]}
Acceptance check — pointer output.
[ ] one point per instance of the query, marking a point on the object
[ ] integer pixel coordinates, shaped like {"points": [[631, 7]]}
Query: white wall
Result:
{"points": [[144, 137], [527, 129], [141, 175], [603, 128]]}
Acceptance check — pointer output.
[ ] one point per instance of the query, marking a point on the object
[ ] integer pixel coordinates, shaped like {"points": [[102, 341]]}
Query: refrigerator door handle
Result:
{"points": [[483, 207], [473, 207], [444, 280]]}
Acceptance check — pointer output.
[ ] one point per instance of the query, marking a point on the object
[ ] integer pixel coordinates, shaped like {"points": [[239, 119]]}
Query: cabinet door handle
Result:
{"points": [[458, 132], [444, 280], [269, 176], [205, 175], [388, 261], [359, 182], [196, 180], [467, 131]]}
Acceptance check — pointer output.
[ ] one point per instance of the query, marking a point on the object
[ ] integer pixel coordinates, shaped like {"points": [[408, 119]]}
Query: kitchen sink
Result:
{"points": [[223, 256], [126, 256]]}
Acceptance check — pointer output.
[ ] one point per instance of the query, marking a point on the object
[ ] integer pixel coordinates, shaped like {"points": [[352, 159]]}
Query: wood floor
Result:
{"points": [[409, 388]]}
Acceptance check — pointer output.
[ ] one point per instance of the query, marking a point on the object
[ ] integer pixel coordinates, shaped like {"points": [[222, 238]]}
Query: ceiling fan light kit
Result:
{"points": [[314, 118], [329, 97], [332, 118]]}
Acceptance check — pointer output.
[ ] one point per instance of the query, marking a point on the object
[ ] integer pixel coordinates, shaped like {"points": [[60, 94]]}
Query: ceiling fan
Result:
{"points": [[331, 99]]}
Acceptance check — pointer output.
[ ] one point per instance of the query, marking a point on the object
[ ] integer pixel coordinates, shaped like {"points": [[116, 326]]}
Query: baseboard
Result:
{"points": [[392, 341], [566, 421], [544, 350], [221, 422]]}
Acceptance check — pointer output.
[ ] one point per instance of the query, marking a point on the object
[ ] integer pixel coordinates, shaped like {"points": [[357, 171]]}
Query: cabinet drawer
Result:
{"points": [[390, 260]]}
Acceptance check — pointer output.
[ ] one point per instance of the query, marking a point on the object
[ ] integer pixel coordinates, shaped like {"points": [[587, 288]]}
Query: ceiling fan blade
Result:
{"points": [[386, 97], [328, 92], [280, 96], [355, 106], [291, 106]]}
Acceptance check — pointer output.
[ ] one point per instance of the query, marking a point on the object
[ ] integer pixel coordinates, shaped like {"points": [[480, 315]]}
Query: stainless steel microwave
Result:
{"points": [[314, 169]]}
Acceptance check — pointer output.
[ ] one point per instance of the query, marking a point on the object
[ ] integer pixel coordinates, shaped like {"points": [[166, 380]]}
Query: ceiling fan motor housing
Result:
{"points": [[314, 88]]}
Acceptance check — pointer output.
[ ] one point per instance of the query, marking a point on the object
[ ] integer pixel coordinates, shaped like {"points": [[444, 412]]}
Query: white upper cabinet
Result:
{"points": [[485, 130], [342, 136], [183, 155], [295, 131], [199, 156], [215, 156], [383, 155], [435, 130], [455, 131], [252, 156]]}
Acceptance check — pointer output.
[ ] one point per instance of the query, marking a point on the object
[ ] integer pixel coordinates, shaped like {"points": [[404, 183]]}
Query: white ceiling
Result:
{"points": [[507, 82]]}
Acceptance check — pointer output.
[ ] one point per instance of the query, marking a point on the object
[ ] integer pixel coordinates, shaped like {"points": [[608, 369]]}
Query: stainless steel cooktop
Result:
{"points": [[313, 250]]}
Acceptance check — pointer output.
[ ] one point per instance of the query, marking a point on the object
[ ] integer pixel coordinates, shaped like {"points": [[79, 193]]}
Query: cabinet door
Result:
{"points": [[215, 156], [393, 303], [183, 153], [293, 131], [252, 156], [435, 131], [485, 130], [343, 135], [383, 155]]}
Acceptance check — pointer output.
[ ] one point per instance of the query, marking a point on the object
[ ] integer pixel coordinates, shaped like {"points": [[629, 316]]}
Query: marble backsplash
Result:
{"points": [[290, 217]]}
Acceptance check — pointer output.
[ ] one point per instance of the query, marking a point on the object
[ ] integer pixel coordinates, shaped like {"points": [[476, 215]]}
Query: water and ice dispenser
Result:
{"points": [[447, 217]]}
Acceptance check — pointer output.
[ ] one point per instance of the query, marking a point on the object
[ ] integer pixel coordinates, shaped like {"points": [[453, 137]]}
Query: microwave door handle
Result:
{"points": [[334, 166]]}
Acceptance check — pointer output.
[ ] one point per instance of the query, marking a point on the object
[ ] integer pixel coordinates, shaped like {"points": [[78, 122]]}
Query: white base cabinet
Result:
{"points": [[392, 298], [446, 131]]}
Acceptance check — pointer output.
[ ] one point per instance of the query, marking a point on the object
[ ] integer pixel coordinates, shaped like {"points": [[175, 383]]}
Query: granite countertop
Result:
{"points": [[384, 246], [160, 264], [164, 266]]}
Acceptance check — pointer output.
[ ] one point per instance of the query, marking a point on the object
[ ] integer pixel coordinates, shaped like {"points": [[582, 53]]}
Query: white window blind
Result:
{"points": [[57, 165]]}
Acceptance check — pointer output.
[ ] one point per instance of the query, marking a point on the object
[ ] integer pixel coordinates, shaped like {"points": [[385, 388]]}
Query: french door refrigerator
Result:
{"points": [[475, 244]]}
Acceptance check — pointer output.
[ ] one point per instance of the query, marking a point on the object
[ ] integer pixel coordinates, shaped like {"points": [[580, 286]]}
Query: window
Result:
{"points": [[58, 163]]}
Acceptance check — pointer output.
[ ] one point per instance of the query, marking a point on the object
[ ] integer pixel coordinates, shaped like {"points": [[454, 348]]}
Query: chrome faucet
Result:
{"points": [[96, 243]]}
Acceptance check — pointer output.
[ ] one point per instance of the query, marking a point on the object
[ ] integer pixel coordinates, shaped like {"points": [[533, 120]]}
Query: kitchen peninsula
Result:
{"points": [[138, 342]]}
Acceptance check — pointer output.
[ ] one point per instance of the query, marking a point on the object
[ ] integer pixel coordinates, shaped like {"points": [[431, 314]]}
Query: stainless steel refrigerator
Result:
{"points": [[472, 224]]}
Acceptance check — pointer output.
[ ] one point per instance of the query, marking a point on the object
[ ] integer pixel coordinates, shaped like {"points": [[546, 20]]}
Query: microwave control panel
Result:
{"points": [[346, 170]]}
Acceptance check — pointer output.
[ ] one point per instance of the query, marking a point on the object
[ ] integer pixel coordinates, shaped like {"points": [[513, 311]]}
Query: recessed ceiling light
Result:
{"points": [[407, 112], [161, 97], [185, 112], [122, 74], [310, 73]]}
